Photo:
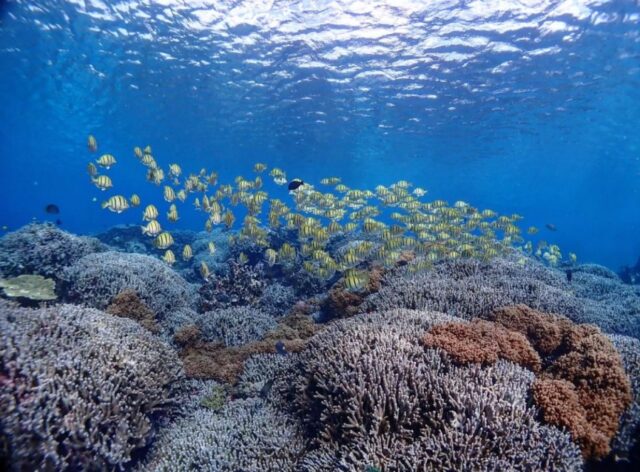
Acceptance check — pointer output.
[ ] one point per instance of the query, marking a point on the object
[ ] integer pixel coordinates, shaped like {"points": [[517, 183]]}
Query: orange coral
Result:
{"points": [[482, 342], [127, 304], [583, 386]]}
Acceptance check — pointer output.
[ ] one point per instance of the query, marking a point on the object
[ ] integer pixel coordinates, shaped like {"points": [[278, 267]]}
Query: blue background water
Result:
{"points": [[530, 107]]}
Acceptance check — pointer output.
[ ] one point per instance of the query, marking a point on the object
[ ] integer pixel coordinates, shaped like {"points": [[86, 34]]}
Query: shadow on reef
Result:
{"points": [[150, 367]]}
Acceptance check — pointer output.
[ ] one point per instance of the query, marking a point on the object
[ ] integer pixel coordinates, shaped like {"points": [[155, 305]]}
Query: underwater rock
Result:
{"points": [[79, 388], [43, 249], [370, 395], [469, 288], [241, 285], [245, 435], [234, 326], [127, 304], [31, 287], [96, 279]]}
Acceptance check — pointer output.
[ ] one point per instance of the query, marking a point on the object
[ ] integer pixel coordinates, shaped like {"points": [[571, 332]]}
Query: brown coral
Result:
{"points": [[582, 386], [187, 335], [343, 303], [127, 304], [225, 364], [482, 342]]}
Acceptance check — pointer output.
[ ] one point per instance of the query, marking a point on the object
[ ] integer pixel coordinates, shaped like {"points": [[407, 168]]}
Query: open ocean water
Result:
{"points": [[376, 235]]}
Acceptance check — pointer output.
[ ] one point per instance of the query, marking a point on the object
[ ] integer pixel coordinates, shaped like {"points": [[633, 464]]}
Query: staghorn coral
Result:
{"points": [[468, 288], [241, 285], [482, 342], [43, 249], [79, 388], [370, 395], [234, 326], [277, 299], [95, 279], [245, 435], [626, 444], [127, 304]]}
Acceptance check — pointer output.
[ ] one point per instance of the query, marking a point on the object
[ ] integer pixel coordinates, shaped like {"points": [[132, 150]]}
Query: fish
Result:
{"points": [[134, 200], [280, 180], [138, 152], [92, 144], [355, 279], [147, 149], [153, 228], [551, 227], [259, 167], [163, 240], [187, 252], [117, 204], [204, 270], [169, 194], [172, 214], [52, 209], [212, 247], [92, 170], [532, 230], [106, 161], [175, 170], [270, 256], [103, 182], [295, 184], [169, 257], [150, 213], [281, 348], [242, 258]]}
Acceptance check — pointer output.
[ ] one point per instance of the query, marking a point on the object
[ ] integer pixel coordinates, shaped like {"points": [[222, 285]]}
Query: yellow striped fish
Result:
{"points": [[163, 240], [117, 204]]}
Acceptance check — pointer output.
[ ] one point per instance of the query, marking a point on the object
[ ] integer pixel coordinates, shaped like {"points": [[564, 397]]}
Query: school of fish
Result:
{"points": [[385, 224]]}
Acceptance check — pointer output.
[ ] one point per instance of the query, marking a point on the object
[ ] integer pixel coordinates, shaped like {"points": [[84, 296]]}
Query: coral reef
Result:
{"points": [[245, 435], [482, 342], [626, 445], [583, 386], [234, 326], [469, 288], [277, 299], [79, 388], [127, 304], [31, 287], [225, 364], [96, 279], [370, 395], [241, 285], [43, 249], [343, 303], [631, 275]]}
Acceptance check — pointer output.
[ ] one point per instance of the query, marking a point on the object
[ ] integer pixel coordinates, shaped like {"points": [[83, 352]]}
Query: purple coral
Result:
{"points": [[235, 326], [79, 387], [95, 279], [43, 249], [371, 395], [240, 285]]}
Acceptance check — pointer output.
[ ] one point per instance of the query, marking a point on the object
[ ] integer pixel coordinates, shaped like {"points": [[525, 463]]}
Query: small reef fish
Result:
{"points": [[259, 167], [103, 182], [117, 204], [204, 270], [163, 240], [212, 247], [172, 214], [92, 170], [355, 279], [134, 200], [92, 144], [169, 257], [295, 184], [137, 152], [52, 209], [106, 161], [153, 228], [150, 213], [187, 252]]}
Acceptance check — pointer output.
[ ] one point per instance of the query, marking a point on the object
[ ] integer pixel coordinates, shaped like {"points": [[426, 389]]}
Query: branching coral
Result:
{"points": [[469, 288], [277, 299], [241, 285], [78, 387], [96, 279], [370, 395], [246, 435], [43, 249], [234, 326]]}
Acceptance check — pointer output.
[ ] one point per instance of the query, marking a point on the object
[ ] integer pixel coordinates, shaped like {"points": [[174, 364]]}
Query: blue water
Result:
{"points": [[529, 107]]}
